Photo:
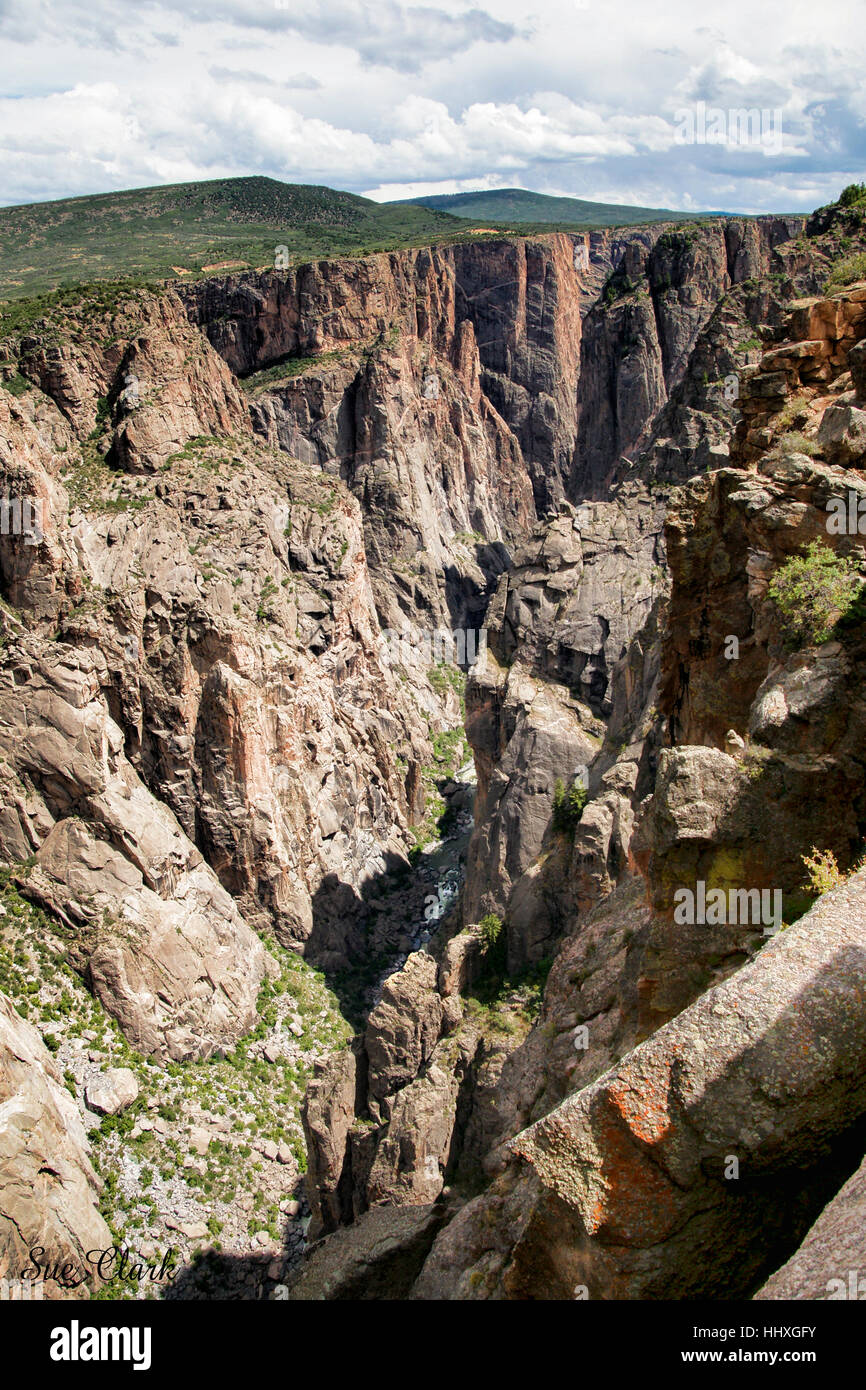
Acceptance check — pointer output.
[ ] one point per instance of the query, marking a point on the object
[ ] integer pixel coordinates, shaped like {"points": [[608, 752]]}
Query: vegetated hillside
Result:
{"points": [[520, 205], [154, 233]]}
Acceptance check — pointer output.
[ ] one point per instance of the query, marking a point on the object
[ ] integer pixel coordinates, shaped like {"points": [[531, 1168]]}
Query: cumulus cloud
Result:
{"points": [[396, 99], [385, 34]]}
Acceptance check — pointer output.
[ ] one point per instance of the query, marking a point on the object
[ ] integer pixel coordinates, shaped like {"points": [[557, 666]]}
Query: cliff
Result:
{"points": [[220, 783]]}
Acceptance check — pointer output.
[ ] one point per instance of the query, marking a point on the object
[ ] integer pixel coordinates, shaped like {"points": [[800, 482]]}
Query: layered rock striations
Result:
{"points": [[701, 761], [242, 488]]}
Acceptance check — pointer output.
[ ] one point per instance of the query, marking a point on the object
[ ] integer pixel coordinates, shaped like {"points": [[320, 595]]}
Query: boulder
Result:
{"points": [[112, 1092], [376, 1258], [842, 435], [857, 363]]}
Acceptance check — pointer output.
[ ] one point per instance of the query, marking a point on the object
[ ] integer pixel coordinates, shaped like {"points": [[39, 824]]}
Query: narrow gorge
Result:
{"points": [[397, 639]]}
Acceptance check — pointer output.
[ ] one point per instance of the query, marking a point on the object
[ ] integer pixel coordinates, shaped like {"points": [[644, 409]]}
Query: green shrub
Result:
{"points": [[490, 927], [16, 384], [795, 442], [568, 805], [853, 268], [852, 195], [824, 872], [812, 591]]}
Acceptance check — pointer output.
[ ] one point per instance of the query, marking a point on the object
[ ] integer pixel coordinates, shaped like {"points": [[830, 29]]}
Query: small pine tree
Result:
{"points": [[490, 927], [568, 805]]}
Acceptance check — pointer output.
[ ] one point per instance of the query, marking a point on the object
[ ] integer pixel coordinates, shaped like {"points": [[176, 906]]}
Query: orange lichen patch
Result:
{"points": [[223, 265], [475, 231], [182, 270], [641, 1205], [644, 1108], [598, 1166]]}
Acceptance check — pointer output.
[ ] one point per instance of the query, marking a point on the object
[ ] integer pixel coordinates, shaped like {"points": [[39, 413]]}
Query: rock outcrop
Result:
{"points": [[48, 1188], [379, 1257], [687, 1169], [830, 1263], [145, 919]]}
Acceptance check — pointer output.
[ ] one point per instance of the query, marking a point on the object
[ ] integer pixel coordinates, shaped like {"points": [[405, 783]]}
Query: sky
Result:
{"points": [[626, 102]]}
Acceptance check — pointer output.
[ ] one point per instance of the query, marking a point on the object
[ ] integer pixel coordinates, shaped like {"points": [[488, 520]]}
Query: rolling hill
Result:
{"points": [[518, 205], [152, 233]]}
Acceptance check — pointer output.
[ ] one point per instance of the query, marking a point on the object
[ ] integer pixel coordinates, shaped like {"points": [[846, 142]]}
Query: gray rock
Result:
{"points": [[404, 1027], [199, 1140], [328, 1115], [376, 1258], [112, 1092], [842, 434], [857, 363], [193, 1230]]}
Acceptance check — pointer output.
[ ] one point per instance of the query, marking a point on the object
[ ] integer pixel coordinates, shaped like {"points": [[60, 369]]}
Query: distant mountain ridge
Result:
{"points": [[512, 205]]}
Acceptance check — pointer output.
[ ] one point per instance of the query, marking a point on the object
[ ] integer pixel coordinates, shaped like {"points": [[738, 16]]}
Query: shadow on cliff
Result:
{"points": [[355, 933], [360, 934]]}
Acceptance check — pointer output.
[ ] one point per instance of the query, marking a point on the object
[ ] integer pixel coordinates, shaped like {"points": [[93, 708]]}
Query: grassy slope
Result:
{"points": [[146, 232]]}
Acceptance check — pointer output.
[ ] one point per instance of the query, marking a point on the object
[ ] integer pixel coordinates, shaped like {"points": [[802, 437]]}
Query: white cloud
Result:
{"points": [[295, 81], [397, 98]]}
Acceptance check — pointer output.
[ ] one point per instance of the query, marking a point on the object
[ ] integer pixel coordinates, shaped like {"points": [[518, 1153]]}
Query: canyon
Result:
{"points": [[391, 947]]}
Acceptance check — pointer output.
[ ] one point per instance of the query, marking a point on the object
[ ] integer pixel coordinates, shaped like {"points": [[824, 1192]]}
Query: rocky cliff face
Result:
{"points": [[206, 750], [610, 666], [641, 333], [213, 763], [211, 616], [440, 385]]}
